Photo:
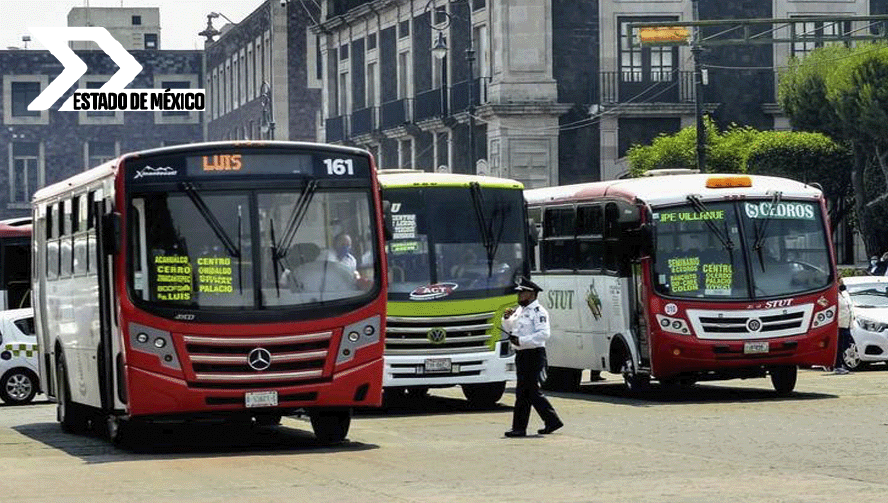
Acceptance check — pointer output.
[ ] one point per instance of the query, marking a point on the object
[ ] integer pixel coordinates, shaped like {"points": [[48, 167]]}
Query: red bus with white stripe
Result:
{"points": [[208, 280], [685, 278]]}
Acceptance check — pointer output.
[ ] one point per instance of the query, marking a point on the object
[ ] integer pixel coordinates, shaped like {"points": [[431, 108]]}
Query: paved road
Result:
{"points": [[731, 441]]}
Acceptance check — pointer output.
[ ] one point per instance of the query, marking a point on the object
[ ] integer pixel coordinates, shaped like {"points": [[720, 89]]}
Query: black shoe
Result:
{"points": [[550, 429], [515, 433]]}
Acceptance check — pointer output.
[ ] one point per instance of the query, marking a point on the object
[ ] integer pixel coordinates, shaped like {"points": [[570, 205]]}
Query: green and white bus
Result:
{"points": [[459, 242]]}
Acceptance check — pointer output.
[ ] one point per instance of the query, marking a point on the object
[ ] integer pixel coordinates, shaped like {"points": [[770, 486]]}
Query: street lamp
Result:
{"points": [[439, 50]]}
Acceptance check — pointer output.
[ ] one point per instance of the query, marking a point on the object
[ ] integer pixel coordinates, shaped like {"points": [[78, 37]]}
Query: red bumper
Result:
{"points": [[674, 354], [155, 394]]}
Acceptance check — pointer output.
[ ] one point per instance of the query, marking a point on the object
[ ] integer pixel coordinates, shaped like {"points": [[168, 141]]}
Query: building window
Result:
{"points": [[98, 152], [151, 41], [235, 85], [137, 20], [371, 41], [23, 93], [242, 78], [250, 71], [648, 64], [440, 14], [810, 35], [371, 84], [214, 100], [478, 4], [97, 113], [404, 29], [260, 55], [175, 84], [406, 154], [404, 75], [223, 94], [343, 94], [343, 51], [24, 174]]}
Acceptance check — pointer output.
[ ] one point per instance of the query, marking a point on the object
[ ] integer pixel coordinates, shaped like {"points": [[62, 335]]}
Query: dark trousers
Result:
{"points": [[528, 365], [843, 344]]}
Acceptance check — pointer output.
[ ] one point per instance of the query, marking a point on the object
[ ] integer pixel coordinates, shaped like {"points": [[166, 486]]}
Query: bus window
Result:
{"points": [[65, 242], [536, 216], [50, 225], [590, 229], [75, 214], [559, 234], [90, 210]]}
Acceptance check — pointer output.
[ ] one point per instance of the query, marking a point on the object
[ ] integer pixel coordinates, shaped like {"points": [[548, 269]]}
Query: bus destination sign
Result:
{"points": [[173, 168]]}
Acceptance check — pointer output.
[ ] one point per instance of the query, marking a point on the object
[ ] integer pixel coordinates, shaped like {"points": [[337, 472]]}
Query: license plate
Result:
{"points": [[755, 347], [261, 399], [437, 365]]}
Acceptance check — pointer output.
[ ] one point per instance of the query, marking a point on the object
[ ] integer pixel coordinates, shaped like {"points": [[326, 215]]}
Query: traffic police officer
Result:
{"points": [[528, 326]]}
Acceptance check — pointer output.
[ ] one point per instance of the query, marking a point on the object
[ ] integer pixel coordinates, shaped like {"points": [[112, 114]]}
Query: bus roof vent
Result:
{"points": [[671, 171]]}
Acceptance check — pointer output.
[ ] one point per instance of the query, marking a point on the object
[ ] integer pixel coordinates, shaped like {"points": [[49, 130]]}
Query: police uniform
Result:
{"points": [[529, 327]]}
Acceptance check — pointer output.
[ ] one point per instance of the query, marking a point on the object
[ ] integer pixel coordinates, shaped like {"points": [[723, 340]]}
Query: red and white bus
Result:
{"points": [[15, 263], [211, 280], [686, 278]]}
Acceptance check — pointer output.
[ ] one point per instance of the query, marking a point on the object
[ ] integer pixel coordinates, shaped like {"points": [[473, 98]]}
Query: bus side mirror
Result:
{"points": [[111, 233], [388, 228], [641, 238], [533, 237]]}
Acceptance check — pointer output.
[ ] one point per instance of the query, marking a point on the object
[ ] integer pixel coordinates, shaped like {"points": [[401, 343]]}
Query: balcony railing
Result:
{"points": [[394, 113], [647, 87], [336, 128], [363, 121], [459, 94], [430, 104]]}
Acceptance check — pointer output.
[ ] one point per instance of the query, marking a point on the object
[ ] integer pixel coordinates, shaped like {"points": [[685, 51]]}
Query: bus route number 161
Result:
{"points": [[340, 166]]}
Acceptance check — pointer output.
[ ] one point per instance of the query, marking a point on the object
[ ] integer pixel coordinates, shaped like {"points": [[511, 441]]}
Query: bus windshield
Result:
{"points": [[470, 243], [252, 249], [740, 250]]}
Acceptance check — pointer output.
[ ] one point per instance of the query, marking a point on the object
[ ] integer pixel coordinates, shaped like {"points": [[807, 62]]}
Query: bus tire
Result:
{"points": [[562, 379], [330, 426], [484, 395], [73, 417], [784, 379], [18, 386]]}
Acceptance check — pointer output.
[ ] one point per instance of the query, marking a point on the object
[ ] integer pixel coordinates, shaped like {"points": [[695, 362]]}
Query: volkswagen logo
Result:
{"points": [[754, 325], [259, 359], [437, 335]]}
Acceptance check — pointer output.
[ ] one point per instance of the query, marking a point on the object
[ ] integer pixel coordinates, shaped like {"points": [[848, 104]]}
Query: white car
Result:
{"points": [[869, 328], [18, 357]]}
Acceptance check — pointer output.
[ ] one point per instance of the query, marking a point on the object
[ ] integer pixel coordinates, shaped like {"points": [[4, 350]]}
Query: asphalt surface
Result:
{"points": [[729, 441]]}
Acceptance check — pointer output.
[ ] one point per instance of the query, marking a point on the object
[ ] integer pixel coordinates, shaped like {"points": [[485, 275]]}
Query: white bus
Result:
{"points": [[685, 278]]}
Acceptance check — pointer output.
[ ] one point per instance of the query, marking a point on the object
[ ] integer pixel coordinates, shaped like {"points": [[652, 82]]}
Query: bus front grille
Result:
{"points": [[237, 361], [751, 323], [439, 334]]}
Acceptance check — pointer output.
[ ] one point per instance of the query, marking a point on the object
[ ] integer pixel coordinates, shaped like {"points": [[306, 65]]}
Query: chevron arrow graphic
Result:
{"points": [[56, 41]]}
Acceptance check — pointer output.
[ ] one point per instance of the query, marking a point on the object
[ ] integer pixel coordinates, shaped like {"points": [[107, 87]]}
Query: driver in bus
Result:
{"points": [[341, 253]]}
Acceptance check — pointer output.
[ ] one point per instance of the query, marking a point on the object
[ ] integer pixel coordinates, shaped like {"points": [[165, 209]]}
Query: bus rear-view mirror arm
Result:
{"points": [[110, 230], [388, 229]]}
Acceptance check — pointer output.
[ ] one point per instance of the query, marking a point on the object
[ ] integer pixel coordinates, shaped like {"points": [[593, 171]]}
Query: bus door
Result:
{"points": [[107, 233], [592, 283]]}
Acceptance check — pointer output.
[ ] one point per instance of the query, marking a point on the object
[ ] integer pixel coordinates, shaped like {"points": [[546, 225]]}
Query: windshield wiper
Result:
{"points": [[300, 209], [761, 231], [211, 220], [724, 239], [490, 243]]}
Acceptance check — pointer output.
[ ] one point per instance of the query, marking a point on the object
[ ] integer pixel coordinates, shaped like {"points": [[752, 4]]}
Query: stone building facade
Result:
{"points": [[559, 94], [41, 148], [263, 79]]}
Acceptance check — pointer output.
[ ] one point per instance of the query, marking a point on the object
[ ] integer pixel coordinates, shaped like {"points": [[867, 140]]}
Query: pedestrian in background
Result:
{"points": [[844, 320], [528, 325]]}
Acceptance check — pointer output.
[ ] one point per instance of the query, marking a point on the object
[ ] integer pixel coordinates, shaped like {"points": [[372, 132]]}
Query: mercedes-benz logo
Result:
{"points": [[259, 359], [437, 335], [754, 325]]}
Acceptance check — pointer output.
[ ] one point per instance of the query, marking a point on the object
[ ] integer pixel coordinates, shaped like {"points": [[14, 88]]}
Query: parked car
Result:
{"points": [[18, 357], [869, 328]]}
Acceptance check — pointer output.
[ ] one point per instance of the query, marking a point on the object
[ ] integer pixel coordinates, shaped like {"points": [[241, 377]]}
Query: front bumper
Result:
{"points": [[871, 346], [699, 355], [468, 368], [153, 394]]}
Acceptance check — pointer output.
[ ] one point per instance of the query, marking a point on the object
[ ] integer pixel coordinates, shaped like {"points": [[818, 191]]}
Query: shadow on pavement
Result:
{"points": [[171, 441], [426, 405], [702, 393]]}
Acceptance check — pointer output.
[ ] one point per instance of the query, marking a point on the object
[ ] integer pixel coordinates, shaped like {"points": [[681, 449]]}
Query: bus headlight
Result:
{"points": [[351, 339], [142, 337], [673, 325], [824, 317], [154, 342]]}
